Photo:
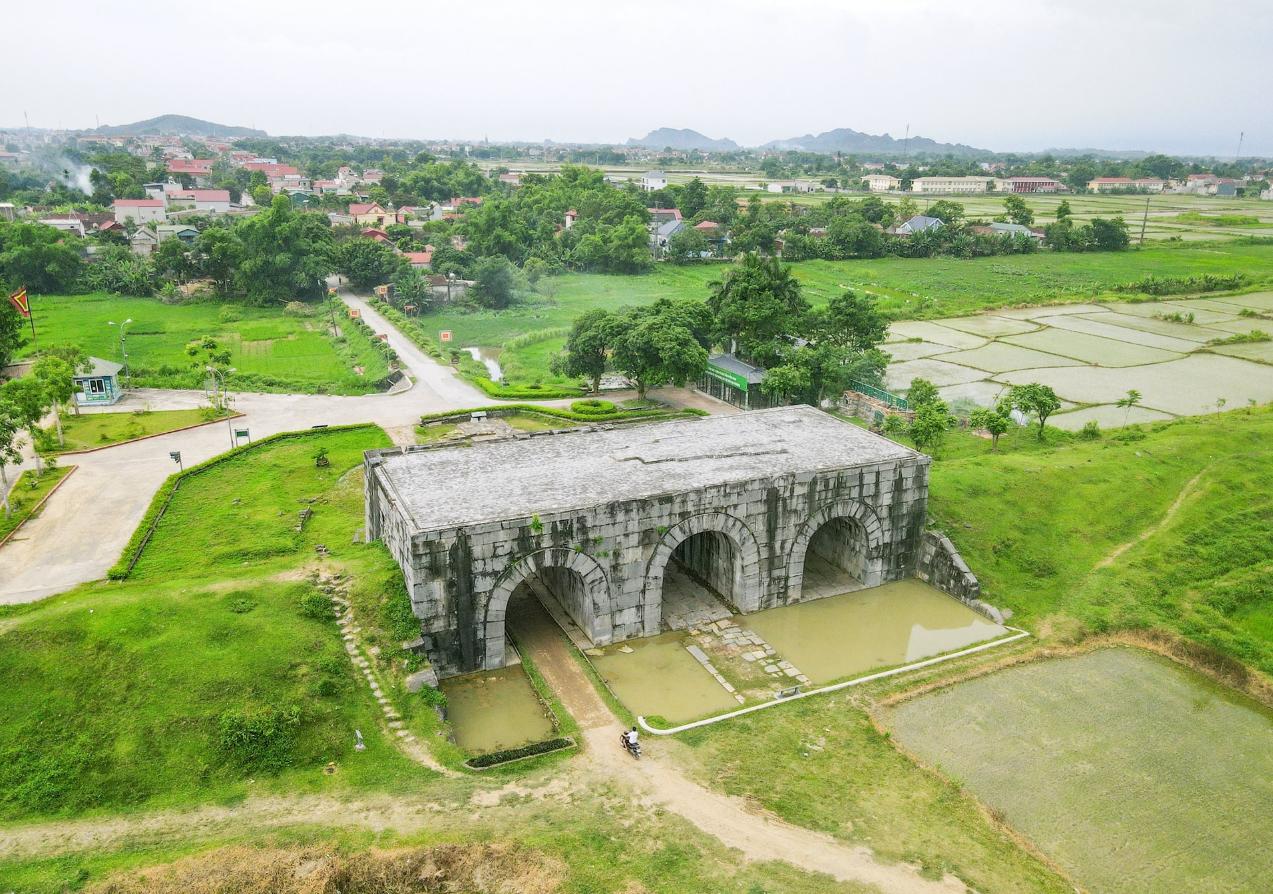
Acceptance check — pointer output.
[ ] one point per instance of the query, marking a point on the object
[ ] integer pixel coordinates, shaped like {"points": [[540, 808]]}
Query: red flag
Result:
{"points": [[20, 303]]}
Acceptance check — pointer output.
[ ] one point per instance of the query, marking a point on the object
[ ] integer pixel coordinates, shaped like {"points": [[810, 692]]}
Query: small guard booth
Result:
{"points": [[100, 385]]}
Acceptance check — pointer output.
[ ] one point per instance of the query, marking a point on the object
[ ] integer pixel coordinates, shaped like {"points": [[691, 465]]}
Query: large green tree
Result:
{"points": [[28, 403], [12, 331], [367, 262], [656, 345], [285, 254], [1036, 400], [755, 306], [38, 257], [588, 347], [495, 282], [56, 377]]}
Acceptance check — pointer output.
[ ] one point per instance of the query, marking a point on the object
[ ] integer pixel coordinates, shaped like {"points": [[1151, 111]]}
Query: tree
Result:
{"points": [[853, 237], [172, 260], [56, 377], [928, 428], [755, 304], [209, 357], [285, 254], [588, 347], [495, 278], [262, 195], [946, 211], [220, 251], [654, 346], [852, 321], [12, 327], [993, 421], [10, 455], [366, 262], [1035, 400], [412, 288], [1017, 211], [38, 257], [77, 359], [1063, 211], [786, 382], [922, 392], [1131, 399], [692, 199], [687, 244], [29, 403], [1108, 235]]}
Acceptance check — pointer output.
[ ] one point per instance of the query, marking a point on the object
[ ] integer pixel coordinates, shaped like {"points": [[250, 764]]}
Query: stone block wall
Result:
{"points": [[940, 565]]}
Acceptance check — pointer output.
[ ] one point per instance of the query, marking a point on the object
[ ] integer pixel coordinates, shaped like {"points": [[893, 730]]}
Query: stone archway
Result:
{"points": [[856, 518], [746, 585], [592, 614]]}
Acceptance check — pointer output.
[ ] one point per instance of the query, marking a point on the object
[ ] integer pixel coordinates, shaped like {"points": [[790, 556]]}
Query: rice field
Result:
{"points": [[1133, 773], [1093, 354]]}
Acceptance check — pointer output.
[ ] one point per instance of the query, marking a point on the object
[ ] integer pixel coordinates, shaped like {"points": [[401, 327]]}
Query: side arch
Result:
{"points": [[747, 583], [867, 521], [596, 586]]}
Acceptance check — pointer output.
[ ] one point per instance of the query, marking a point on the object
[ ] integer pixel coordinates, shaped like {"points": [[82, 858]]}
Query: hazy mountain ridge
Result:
{"points": [[845, 139], [177, 125], [683, 139]]}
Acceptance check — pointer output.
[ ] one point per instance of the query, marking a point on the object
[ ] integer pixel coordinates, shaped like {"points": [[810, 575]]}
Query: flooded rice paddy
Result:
{"points": [[1092, 354], [1111, 760], [843, 636], [495, 710]]}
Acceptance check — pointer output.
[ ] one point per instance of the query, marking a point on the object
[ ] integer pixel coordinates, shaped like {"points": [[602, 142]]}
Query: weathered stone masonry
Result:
{"points": [[598, 513]]}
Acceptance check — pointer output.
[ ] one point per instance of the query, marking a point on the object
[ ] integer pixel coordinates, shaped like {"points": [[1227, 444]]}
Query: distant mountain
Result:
{"points": [[177, 125], [844, 139], [685, 139], [1116, 154]]}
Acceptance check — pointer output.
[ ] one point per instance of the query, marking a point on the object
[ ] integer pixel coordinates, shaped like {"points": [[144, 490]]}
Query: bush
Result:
{"points": [[242, 606], [229, 314], [1091, 431], [315, 605], [1168, 285], [593, 407], [433, 697], [512, 754], [259, 739]]}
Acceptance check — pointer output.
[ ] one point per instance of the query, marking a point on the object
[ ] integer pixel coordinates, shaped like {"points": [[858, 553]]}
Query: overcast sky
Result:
{"points": [[1167, 75]]}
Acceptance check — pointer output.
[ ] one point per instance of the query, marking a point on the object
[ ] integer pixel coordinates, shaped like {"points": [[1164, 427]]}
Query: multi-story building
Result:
{"points": [[951, 185]]}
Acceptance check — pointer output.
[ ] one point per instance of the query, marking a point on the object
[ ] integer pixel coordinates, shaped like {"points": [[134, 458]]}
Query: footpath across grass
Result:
{"points": [[269, 349], [217, 669], [28, 492], [89, 430]]}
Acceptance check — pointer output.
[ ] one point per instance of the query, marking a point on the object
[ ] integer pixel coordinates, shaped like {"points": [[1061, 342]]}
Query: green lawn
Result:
{"points": [[907, 288], [89, 430], [27, 493], [270, 350], [1133, 773], [116, 695]]}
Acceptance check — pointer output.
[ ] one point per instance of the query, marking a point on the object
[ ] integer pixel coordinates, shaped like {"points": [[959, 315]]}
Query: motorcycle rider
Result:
{"points": [[630, 739]]}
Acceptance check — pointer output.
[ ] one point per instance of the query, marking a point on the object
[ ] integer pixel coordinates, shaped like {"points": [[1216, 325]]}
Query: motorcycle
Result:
{"points": [[633, 748]]}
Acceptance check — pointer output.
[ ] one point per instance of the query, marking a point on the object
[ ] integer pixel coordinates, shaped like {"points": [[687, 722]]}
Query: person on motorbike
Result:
{"points": [[630, 738]]}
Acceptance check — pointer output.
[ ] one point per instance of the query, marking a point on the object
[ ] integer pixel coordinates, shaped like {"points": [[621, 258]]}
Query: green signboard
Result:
{"points": [[728, 377]]}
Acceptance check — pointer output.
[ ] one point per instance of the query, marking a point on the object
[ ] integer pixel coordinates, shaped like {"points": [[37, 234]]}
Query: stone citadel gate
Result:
{"points": [[740, 502]]}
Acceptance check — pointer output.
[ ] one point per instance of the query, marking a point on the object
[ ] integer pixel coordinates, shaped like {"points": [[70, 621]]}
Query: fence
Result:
{"points": [[898, 403]]}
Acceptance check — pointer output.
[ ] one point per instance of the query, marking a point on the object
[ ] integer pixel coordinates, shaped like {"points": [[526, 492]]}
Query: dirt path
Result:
{"points": [[1190, 486], [757, 837]]}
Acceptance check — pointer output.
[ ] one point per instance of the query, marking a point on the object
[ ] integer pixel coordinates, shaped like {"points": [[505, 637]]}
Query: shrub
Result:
{"points": [[326, 687], [593, 407], [433, 697], [229, 314], [259, 738], [315, 605], [1091, 431], [242, 606], [512, 754]]}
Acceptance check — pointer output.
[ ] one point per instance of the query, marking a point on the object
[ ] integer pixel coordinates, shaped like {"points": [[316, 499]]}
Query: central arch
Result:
{"points": [[725, 535], [848, 535], [577, 580]]}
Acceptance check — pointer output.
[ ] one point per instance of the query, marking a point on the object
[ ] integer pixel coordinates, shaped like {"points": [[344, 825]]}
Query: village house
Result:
{"points": [[99, 385], [663, 215], [143, 242], [511, 179], [372, 175], [950, 185], [212, 201], [998, 228], [181, 232], [917, 224], [65, 224], [881, 182], [139, 211], [419, 260], [653, 180], [369, 214], [376, 234], [1028, 184], [200, 169], [569, 218], [783, 186]]}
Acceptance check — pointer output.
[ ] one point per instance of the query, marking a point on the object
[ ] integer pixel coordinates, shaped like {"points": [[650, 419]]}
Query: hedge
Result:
{"points": [[408, 327], [159, 504], [555, 412], [484, 761]]}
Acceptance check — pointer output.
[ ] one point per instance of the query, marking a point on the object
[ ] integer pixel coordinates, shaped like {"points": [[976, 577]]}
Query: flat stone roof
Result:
{"points": [[448, 486]]}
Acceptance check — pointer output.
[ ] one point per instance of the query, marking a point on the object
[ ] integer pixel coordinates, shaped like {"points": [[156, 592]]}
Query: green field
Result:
{"points": [[906, 288], [89, 430], [1133, 773], [270, 350], [117, 694]]}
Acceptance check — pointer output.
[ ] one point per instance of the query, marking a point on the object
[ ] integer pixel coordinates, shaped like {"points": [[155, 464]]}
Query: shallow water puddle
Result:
{"points": [[659, 677], [495, 710]]}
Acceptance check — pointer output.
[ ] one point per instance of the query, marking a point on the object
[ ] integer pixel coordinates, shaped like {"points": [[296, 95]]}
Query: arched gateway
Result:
{"points": [[600, 515]]}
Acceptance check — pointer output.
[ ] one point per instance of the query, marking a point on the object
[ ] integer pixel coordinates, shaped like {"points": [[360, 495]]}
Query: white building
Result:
{"points": [[139, 211], [951, 185], [65, 224], [652, 180], [792, 186], [881, 182], [213, 201]]}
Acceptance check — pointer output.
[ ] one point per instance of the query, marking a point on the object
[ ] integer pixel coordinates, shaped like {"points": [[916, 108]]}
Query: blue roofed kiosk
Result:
{"points": [[100, 385], [729, 379]]}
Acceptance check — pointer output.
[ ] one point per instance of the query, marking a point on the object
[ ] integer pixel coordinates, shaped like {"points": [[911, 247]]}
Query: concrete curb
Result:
{"points": [[158, 434], [857, 681], [38, 506]]}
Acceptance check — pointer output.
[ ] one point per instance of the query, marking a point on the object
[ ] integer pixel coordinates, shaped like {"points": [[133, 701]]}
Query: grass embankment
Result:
{"points": [[1034, 521], [26, 495], [271, 350], [89, 430], [216, 670], [906, 288]]}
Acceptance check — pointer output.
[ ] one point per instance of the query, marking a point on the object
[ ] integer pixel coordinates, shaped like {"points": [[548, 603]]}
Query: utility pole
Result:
{"points": [[1144, 220]]}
